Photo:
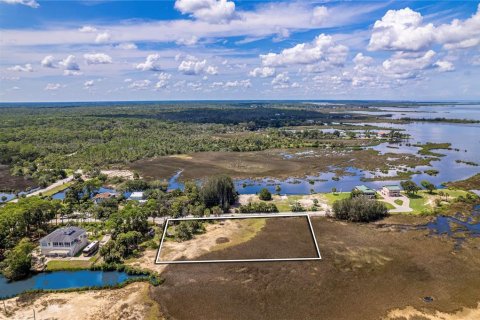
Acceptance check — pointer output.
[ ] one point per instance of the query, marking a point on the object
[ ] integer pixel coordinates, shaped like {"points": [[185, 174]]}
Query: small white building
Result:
{"points": [[64, 242], [137, 196]]}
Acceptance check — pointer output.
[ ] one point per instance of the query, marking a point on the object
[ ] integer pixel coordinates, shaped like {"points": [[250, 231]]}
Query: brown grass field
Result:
{"points": [[269, 163], [367, 272], [13, 182]]}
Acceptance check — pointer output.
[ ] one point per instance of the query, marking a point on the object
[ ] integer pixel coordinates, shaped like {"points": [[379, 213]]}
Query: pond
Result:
{"points": [[63, 280]]}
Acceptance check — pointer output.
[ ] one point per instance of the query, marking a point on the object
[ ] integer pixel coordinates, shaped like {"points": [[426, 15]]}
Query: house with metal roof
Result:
{"points": [[391, 190], [64, 242], [366, 191]]}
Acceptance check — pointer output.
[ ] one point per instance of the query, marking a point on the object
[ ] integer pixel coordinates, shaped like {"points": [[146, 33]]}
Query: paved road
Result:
{"points": [[50, 187], [161, 220], [405, 207]]}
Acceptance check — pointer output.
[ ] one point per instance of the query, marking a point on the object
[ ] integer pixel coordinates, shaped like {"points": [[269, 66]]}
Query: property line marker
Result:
{"points": [[253, 216]]}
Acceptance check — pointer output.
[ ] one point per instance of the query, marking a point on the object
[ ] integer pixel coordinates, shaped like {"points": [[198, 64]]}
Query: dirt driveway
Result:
{"points": [[404, 207]]}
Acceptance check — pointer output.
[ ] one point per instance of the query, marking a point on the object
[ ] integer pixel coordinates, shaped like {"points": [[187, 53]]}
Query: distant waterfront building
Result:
{"points": [[366, 191], [64, 242], [391, 190], [100, 197]]}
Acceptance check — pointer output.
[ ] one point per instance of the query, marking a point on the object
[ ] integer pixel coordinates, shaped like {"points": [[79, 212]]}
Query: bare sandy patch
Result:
{"points": [[410, 313], [126, 174], [218, 236], [130, 302]]}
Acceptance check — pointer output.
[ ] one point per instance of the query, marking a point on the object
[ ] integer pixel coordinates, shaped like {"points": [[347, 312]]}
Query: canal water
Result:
{"points": [[63, 280]]}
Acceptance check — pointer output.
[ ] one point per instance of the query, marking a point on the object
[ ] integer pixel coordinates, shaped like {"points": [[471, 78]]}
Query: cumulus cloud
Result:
{"points": [[69, 63], [318, 55], [29, 3], [264, 72], [401, 30], [281, 81], [460, 34], [19, 68], [404, 30], [192, 66], [97, 58], [150, 64], [444, 66], [213, 11], [103, 37], [88, 29], [48, 62], [163, 79], [53, 86], [406, 65], [126, 46], [140, 84]]}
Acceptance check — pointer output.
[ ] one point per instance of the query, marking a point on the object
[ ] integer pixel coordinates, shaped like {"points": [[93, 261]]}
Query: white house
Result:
{"points": [[391, 191], [64, 242]]}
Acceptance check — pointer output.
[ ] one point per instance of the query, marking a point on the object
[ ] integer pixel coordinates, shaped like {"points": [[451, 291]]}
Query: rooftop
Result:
{"points": [[104, 195], [67, 234], [365, 189], [392, 187]]}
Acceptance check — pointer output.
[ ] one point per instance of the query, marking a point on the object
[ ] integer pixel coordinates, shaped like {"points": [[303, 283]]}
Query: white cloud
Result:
{"points": [[319, 15], [103, 37], [97, 58], [318, 55], [263, 72], [163, 79], [88, 84], [401, 30], [460, 34], [404, 30], [192, 66], [88, 29], [405, 65], [190, 41], [281, 81], [53, 86], [232, 84], [69, 63], [126, 46], [140, 84], [150, 64], [72, 73], [48, 62], [212, 11], [19, 68], [29, 3], [128, 80], [444, 66]]}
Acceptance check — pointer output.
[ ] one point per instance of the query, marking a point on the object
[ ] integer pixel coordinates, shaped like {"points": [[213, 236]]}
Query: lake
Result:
{"points": [[63, 280]]}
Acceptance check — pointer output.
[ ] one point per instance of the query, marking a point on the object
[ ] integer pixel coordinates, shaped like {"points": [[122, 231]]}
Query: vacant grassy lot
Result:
{"points": [[332, 197], [55, 265]]}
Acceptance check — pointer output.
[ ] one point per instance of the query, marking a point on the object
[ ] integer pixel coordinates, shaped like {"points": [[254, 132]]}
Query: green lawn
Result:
{"points": [[388, 205], [51, 192], [56, 265], [420, 201], [332, 197], [398, 202]]}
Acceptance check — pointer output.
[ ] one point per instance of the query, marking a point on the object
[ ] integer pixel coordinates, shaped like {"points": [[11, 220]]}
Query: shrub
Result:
{"points": [[359, 209], [265, 195], [260, 207]]}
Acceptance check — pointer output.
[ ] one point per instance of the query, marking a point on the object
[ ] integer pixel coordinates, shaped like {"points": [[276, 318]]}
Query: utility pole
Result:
{"points": [[34, 314], [4, 307]]}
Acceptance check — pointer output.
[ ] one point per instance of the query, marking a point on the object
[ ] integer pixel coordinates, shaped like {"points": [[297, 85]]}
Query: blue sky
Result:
{"points": [[227, 49]]}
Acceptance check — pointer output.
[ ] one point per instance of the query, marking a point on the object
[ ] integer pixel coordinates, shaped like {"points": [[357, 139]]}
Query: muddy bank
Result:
{"points": [[9, 182], [366, 272]]}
